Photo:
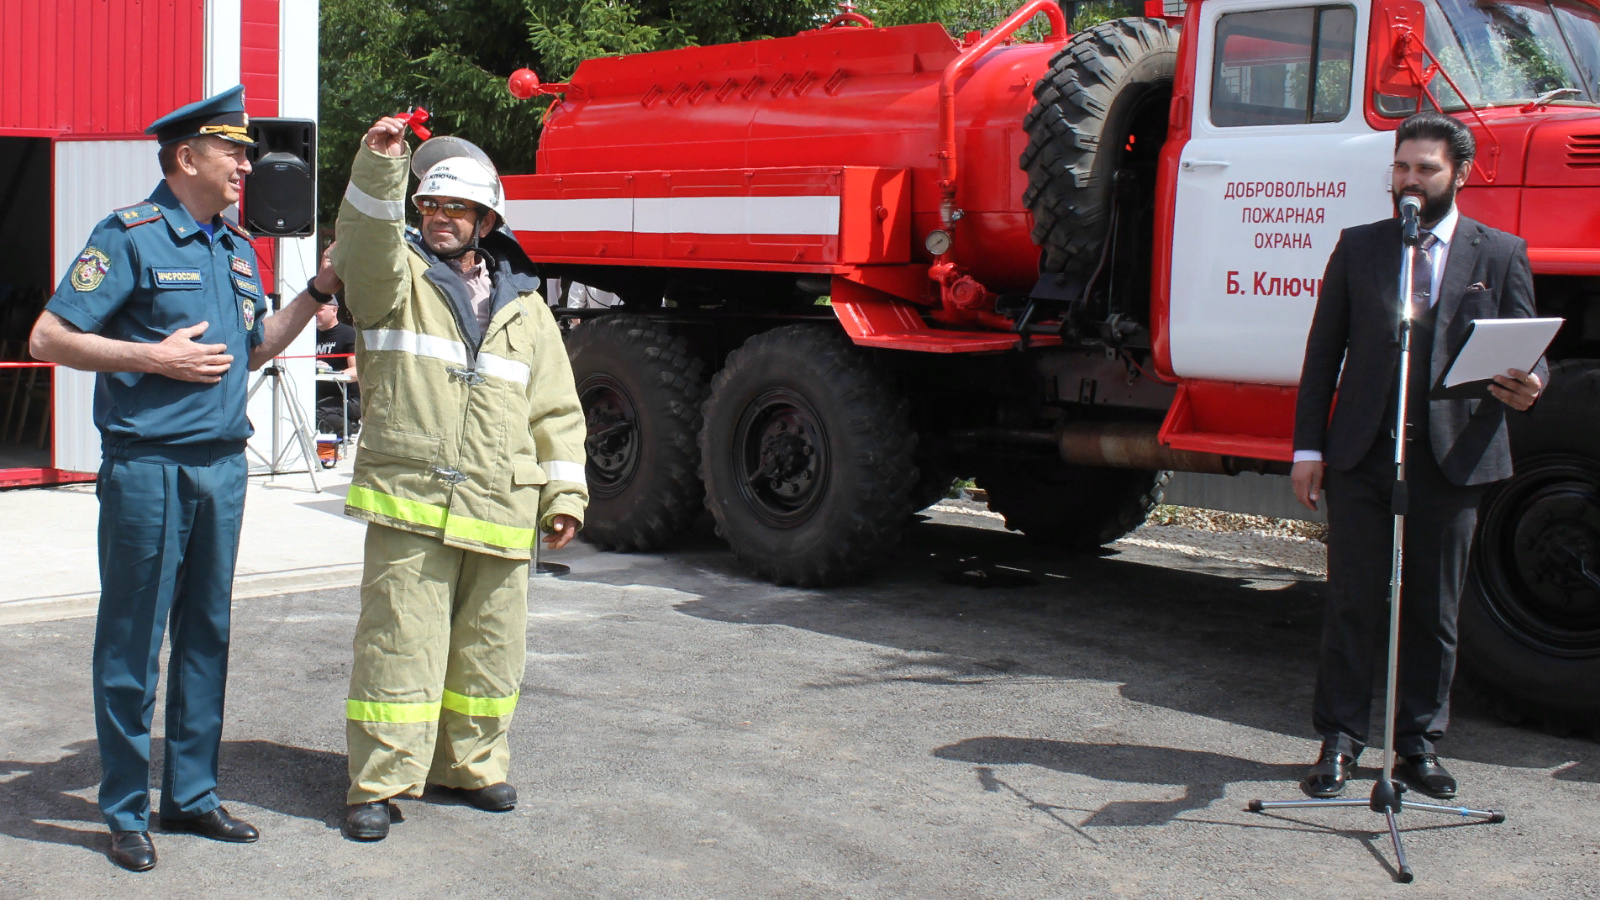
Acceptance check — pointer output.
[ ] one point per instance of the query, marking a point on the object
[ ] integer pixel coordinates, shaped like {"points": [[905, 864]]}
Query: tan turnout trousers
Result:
{"points": [[439, 654]]}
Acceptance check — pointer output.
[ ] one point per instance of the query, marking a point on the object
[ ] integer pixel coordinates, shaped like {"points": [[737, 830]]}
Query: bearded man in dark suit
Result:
{"points": [[1455, 450]]}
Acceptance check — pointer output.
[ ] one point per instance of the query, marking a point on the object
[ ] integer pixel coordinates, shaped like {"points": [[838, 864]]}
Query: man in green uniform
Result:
{"points": [[472, 441], [155, 280]]}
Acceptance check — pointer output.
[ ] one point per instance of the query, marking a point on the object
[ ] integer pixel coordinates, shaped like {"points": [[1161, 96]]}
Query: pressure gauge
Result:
{"points": [[938, 242]]}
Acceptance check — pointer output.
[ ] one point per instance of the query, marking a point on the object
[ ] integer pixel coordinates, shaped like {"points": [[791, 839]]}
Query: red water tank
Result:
{"points": [[838, 96]]}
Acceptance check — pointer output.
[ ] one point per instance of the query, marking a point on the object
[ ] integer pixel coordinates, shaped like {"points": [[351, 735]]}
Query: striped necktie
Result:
{"points": [[1422, 275]]}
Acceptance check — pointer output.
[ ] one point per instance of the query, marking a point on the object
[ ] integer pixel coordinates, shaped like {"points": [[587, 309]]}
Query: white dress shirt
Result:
{"points": [[1444, 230]]}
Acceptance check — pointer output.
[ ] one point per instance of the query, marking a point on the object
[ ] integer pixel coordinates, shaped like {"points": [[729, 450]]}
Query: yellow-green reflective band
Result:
{"points": [[480, 706], [396, 507], [489, 533], [370, 711], [461, 527]]}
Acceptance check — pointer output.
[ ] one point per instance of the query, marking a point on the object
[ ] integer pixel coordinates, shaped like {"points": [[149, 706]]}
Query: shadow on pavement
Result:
{"points": [[54, 802], [1230, 641], [293, 781], [1199, 639], [38, 800], [1205, 776]]}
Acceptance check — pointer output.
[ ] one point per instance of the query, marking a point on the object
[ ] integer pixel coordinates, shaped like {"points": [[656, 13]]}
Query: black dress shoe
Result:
{"points": [[1426, 775], [1328, 774], [217, 825], [133, 850], [367, 821], [500, 797]]}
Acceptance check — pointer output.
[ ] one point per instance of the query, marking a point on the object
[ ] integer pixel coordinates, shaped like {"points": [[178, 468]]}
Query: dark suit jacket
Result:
{"points": [[1355, 323]]}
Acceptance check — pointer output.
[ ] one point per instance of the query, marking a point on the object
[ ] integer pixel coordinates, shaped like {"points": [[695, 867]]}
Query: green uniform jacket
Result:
{"points": [[476, 439]]}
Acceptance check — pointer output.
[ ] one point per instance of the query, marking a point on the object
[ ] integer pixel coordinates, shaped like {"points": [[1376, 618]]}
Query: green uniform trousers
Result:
{"points": [[439, 656]]}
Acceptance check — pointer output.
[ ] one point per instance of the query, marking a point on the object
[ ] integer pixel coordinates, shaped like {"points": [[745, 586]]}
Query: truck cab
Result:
{"points": [[1282, 135]]}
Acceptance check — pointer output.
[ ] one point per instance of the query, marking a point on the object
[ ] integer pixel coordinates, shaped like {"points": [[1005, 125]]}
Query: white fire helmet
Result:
{"points": [[454, 168]]}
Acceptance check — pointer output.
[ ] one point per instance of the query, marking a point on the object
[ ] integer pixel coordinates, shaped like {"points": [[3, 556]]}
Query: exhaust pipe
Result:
{"points": [[1133, 445]]}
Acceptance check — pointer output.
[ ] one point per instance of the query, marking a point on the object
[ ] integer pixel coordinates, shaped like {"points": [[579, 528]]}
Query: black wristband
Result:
{"points": [[320, 297]]}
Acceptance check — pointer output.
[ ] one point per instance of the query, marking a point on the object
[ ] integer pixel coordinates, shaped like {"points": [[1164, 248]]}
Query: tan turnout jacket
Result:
{"points": [[474, 439]]}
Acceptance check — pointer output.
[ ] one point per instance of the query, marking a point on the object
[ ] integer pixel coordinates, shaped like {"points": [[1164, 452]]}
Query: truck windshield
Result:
{"points": [[1507, 52]]}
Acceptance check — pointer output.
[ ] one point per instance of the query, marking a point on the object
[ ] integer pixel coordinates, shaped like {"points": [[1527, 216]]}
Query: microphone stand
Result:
{"points": [[1386, 793]]}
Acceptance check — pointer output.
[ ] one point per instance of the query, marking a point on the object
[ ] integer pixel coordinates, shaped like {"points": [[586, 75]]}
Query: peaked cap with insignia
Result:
{"points": [[219, 116]]}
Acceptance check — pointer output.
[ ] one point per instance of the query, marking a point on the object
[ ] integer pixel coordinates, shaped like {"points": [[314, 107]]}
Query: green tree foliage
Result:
{"points": [[453, 56], [567, 32], [448, 56]]}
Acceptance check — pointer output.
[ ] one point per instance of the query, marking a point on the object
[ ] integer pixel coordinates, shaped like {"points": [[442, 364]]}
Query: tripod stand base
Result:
{"points": [[1386, 798]]}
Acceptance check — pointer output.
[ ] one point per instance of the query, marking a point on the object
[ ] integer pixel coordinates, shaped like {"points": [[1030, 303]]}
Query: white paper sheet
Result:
{"points": [[1500, 344]]}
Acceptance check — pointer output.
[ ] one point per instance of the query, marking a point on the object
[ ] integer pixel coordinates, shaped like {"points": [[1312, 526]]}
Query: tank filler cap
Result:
{"points": [[524, 85]]}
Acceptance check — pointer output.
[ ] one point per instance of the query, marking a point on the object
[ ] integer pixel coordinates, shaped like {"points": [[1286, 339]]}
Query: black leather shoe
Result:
{"points": [[367, 821], [1327, 776], [217, 825], [133, 850], [500, 797], [1426, 775]]}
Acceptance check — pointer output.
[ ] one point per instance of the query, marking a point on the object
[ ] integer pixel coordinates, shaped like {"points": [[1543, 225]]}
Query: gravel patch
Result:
{"points": [[1251, 547], [1255, 540]]}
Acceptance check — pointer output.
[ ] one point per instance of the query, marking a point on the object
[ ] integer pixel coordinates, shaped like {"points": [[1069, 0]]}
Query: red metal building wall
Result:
{"points": [[90, 68], [258, 56]]}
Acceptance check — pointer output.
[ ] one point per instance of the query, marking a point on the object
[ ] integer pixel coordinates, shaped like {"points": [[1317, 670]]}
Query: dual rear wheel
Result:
{"points": [[802, 450]]}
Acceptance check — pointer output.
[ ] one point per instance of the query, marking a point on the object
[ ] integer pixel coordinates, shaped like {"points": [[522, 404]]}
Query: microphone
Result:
{"points": [[1410, 227]]}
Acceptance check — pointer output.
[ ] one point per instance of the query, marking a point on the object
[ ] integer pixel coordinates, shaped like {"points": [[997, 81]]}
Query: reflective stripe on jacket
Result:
{"points": [[474, 438]]}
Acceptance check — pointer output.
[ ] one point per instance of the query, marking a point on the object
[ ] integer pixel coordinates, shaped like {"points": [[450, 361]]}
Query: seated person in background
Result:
{"points": [[338, 339]]}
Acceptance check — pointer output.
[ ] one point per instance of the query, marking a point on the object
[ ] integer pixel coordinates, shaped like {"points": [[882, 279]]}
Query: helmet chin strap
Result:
{"points": [[466, 248]]}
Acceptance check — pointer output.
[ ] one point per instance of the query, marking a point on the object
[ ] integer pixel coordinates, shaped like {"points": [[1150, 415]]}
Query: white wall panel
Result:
{"points": [[224, 26], [297, 257], [91, 179]]}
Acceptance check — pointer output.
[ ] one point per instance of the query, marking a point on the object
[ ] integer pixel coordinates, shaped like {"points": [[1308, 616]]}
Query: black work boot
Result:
{"points": [[367, 821], [500, 797]]}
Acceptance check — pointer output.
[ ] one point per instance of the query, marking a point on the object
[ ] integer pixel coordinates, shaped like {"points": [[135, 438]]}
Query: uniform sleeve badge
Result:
{"points": [[249, 308], [90, 269]]}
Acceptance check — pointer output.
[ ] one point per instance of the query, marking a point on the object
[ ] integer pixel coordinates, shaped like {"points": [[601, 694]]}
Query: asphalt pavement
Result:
{"points": [[976, 720]]}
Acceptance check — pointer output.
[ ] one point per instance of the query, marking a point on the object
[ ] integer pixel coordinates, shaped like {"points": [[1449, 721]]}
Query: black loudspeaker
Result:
{"points": [[280, 195]]}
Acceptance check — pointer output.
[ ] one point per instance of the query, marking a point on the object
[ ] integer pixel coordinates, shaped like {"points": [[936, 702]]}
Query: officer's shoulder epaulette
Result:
{"points": [[238, 229], [137, 214]]}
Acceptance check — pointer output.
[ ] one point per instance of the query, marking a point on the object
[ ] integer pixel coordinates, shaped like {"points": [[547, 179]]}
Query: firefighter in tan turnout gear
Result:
{"points": [[472, 443]]}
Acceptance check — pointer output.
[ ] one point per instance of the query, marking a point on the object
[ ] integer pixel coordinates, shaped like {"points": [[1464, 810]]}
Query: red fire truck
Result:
{"points": [[856, 263]]}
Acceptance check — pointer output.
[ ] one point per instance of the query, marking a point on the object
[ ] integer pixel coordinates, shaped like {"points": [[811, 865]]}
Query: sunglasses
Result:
{"points": [[453, 210]]}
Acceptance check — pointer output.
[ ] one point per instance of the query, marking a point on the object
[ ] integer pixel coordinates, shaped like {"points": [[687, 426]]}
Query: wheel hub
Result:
{"points": [[1539, 555], [1555, 547], [612, 444], [781, 448], [786, 459]]}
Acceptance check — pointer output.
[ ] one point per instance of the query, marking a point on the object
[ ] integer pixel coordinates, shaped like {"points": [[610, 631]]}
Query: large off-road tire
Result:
{"points": [[1072, 508], [1530, 616], [641, 392], [1101, 108], [807, 457]]}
